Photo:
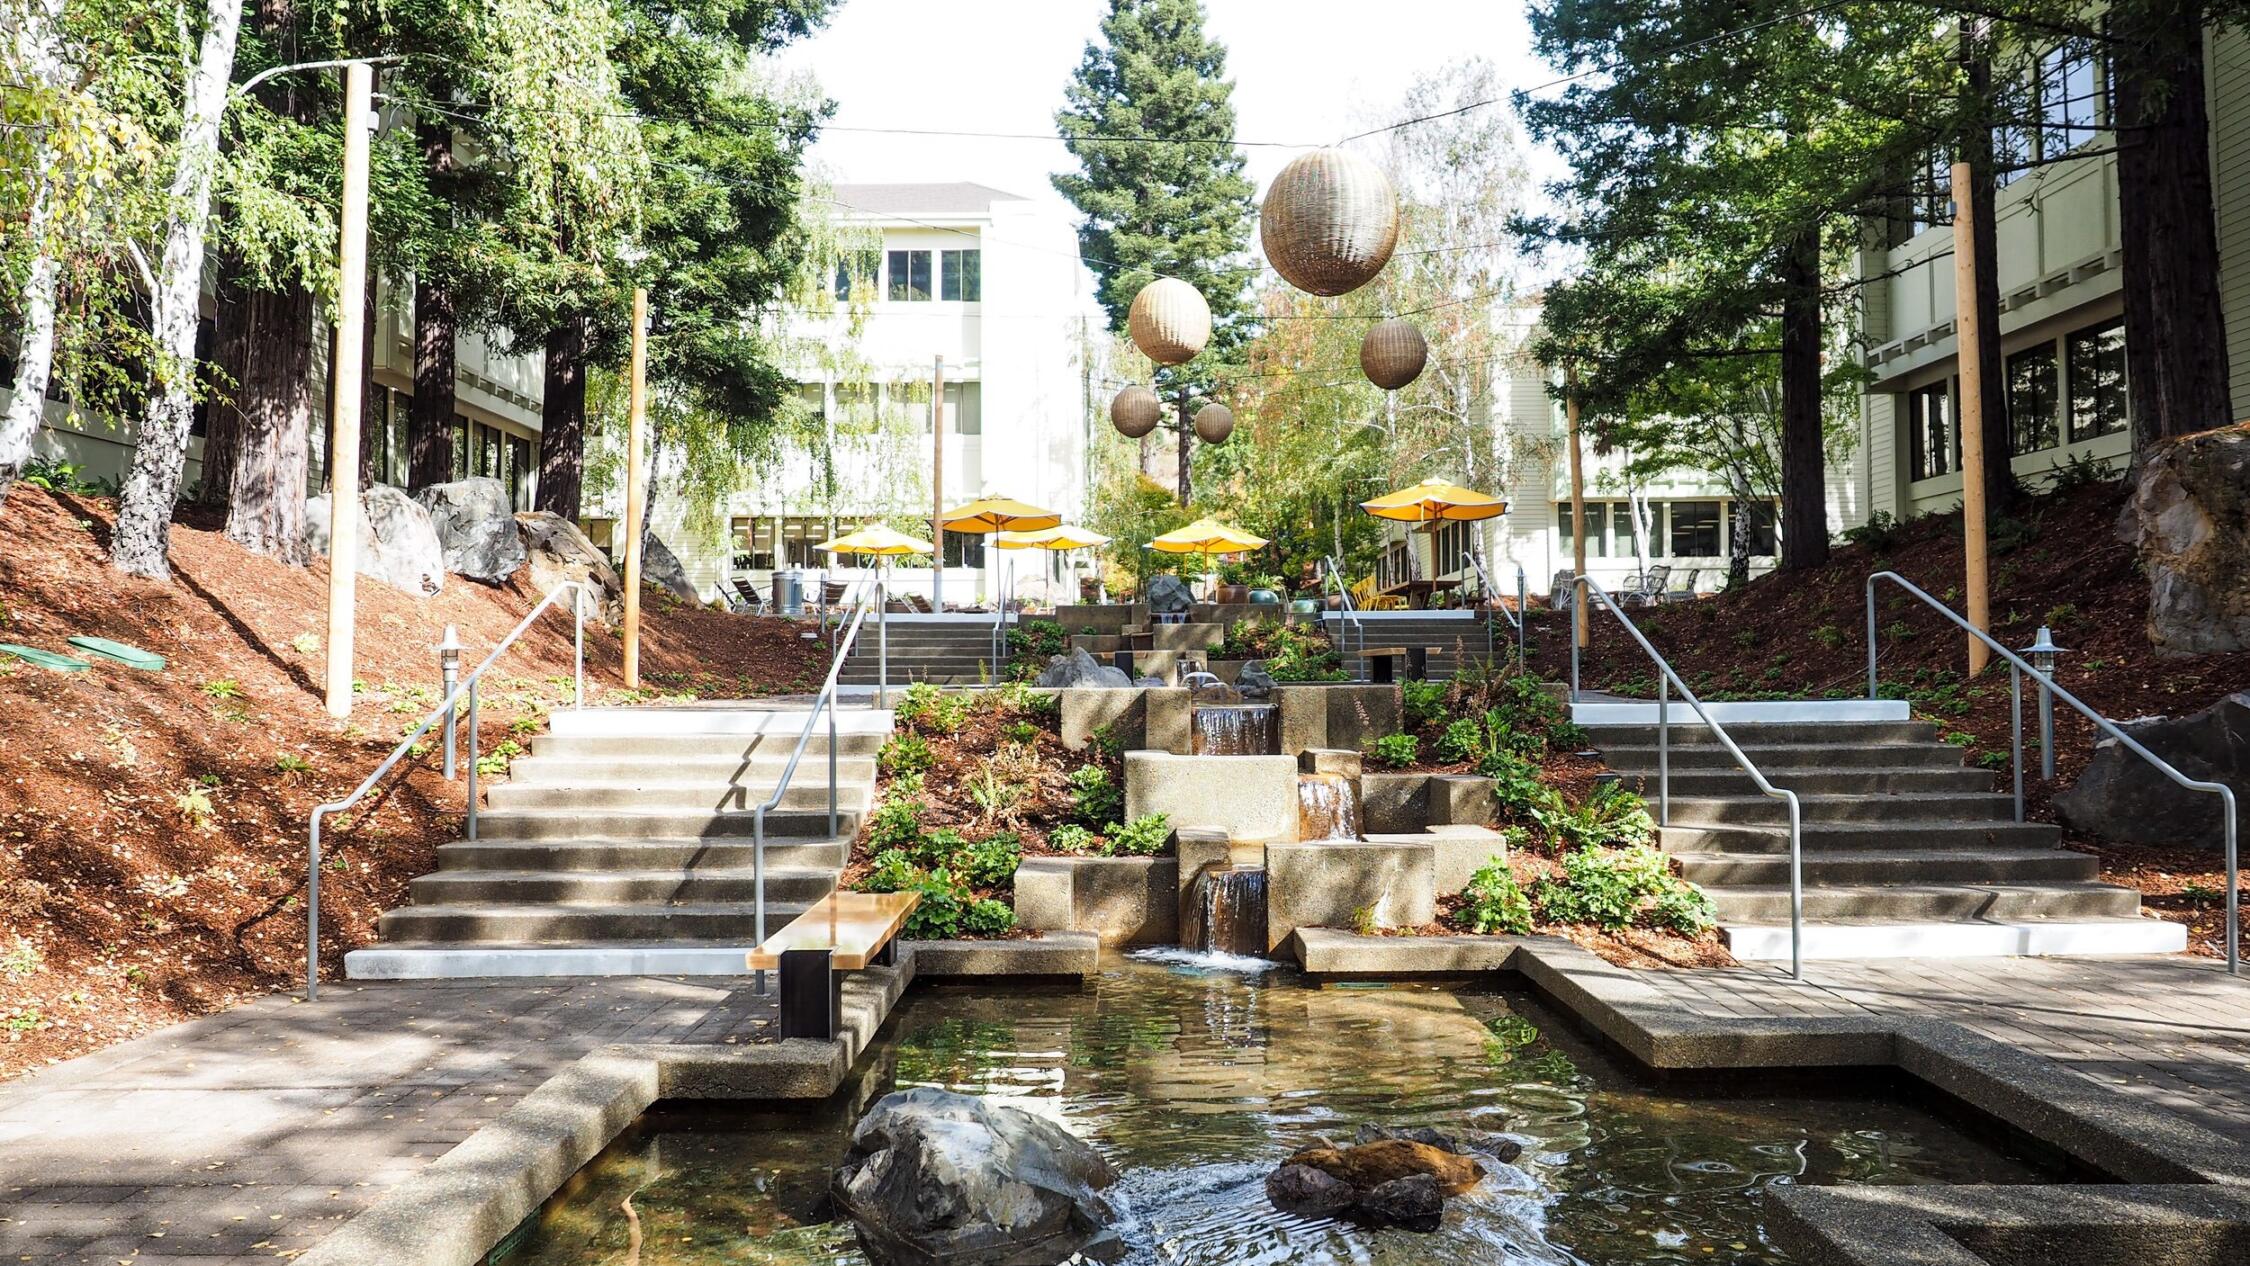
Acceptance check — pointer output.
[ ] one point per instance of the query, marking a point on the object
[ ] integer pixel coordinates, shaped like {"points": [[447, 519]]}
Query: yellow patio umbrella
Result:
{"points": [[1433, 501], [1206, 536], [879, 539], [1054, 540], [998, 514]]}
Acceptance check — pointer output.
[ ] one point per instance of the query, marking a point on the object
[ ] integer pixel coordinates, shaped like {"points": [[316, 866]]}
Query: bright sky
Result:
{"points": [[1306, 72]]}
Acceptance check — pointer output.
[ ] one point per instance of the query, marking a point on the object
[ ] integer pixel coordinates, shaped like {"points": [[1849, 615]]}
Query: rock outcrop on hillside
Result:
{"points": [[557, 551], [2124, 799], [2189, 516], [398, 544], [476, 528]]}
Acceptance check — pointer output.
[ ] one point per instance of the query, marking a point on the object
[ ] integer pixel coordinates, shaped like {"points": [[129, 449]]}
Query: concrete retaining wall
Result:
{"points": [[1248, 797], [1155, 718], [1327, 884], [1123, 900], [1343, 715]]}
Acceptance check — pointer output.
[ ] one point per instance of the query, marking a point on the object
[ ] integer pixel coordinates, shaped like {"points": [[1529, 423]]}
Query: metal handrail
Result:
{"points": [[1000, 623], [1515, 617], [2018, 668], [1667, 679], [871, 596], [447, 710], [1331, 570]]}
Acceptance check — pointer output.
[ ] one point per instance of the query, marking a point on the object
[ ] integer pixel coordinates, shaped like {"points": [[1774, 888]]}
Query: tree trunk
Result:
{"points": [[2175, 326], [562, 422], [374, 419], [144, 508], [230, 355], [1976, 147], [429, 432], [1187, 448], [266, 501], [39, 50], [1738, 541], [1804, 464]]}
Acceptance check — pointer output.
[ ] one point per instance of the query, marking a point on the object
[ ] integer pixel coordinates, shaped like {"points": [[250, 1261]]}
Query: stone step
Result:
{"points": [[533, 925], [805, 793], [1981, 938], [511, 824], [705, 747], [707, 722], [1749, 734], [698, 886], [1860, 836], [1636, 758], [1871, 866], [760, 772], [583, 854], [1897, 810], [435, 960], [1735, 783], [1927, 902]]}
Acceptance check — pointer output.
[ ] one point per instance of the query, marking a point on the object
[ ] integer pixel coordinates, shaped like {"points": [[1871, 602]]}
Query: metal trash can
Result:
{"points": [[789, 592]]}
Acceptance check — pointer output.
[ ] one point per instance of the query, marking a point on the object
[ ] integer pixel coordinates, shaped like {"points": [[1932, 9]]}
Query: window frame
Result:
{"points": [[1673, 529], [2052, 433], [1921, 464], [2072, 342], [961, 275], [916, 262]]}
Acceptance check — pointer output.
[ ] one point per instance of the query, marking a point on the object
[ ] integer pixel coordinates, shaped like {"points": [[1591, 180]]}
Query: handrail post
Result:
{"points": [[831, 766], [578, 645], [1796, 889], [312, 912], [1577, 586], [1663, 749], [758, 880], [2234, 913], [2015, 731], [473, 683], [1523, 617], [1871, 690], [883, 643]]}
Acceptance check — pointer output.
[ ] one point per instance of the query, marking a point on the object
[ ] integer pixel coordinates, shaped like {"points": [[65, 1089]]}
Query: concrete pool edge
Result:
{"points": [[461, 1205]]}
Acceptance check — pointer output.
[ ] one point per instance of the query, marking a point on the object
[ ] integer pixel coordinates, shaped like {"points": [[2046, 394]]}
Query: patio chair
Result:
{"points": [[1564, 591], [1685, 590], [740, 597], [1646, 589]]}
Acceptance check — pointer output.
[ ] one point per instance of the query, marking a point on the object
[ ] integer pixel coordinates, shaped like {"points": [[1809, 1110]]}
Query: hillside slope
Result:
{"points": [[152, 825], [2060, 563]]}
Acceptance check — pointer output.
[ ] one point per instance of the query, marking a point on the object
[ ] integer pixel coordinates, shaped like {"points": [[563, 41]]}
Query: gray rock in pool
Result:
{"points": [[935, 1178]]}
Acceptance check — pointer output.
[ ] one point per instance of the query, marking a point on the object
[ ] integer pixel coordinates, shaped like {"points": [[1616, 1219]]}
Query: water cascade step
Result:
{"points": [[1327, 807], [1235, 729], [1227, 912]]}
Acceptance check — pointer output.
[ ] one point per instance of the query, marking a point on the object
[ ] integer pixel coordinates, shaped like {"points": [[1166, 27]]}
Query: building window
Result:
{"points": [[1621, 528], [2097, 381], [964, 549], [910, 276], [1449, 548], [857, 269], [2069, 101], [1753, 524], [1929, 428], [1596, 514], [1695, 529], [2033, 399], [960, 276], [964, 408], [519, 472], [753, 544]]}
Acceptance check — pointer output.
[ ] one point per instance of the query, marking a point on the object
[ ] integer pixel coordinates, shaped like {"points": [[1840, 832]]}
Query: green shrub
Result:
{"points": [[1608, 888], [1423, 703], [896, 824], [941, 847], [1395, 750], [930, 710], [1070, 837], [988, 918], [894, 870], [907, 754], [1494, 902], [989, 863], [1465, 738], [1684, 908], [1610, 816], [1879, 533], [1144, 836], [1095, 797], [1107, 743], [1022, 732], [1517, 790], [938, 917]]}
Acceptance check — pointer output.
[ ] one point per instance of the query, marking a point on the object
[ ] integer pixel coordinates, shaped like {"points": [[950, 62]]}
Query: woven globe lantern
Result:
{"points": [[1393, 354], [1329, 222], [1135, 412], [1214, 422], [1169, 321]]}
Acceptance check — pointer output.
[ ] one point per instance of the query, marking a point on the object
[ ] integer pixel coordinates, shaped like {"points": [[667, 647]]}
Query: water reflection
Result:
{"points": [[1197, 1081]]}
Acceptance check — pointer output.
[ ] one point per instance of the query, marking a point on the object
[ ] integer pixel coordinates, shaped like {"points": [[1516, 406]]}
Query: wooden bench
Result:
{"points": [[843, 931], [1382, 661]]}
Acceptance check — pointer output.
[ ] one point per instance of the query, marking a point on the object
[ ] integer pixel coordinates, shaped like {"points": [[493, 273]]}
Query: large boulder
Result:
{"points": [[557, 551], [661, 565], [935, 1178], [476, 527], [1254, 681], [1168, 594], [2190, 519], [398, 544], [2124, 798], [1079, 669], [1389, 1177]]}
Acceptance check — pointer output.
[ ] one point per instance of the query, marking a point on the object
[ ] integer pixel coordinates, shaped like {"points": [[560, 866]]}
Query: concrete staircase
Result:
{"points": [[1907, 853], [1456, 636], [952, 651], [623, 845]]}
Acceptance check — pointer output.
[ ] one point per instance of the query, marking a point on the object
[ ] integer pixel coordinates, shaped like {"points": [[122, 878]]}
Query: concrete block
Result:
{"points": [[1330, 760], [1358, 715], [1300, 718], [1187, 637], [1047, 956], [1333, 953], [1457, 852], [1247, 797], [1170, 725], [1122, 900], [1460, 800], [1327, 884], [1104, 618], [1087, 709], [1393, 804], [1098, 645]]}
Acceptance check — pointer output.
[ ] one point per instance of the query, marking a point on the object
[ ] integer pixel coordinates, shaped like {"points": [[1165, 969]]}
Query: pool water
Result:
{"points": [[1196, 1081]]}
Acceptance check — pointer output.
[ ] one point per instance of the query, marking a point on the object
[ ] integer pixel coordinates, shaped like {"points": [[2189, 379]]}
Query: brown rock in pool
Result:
{"points": [[1370, 1165]]}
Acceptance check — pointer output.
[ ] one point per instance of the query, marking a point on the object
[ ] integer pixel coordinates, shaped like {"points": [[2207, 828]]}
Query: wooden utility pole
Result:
{"points": [[937, 487], [344, 390], [1579, 624], [636, 487], [1969, 360], [1187, 446]]}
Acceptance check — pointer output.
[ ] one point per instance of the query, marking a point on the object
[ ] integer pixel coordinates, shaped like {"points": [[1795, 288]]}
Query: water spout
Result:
{"points": [[1327, 807], [1235, 730]]}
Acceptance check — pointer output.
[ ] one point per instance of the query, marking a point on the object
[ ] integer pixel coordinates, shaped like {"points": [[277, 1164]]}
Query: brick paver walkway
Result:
{"points": [[2175, 1030], [252, 1134]]}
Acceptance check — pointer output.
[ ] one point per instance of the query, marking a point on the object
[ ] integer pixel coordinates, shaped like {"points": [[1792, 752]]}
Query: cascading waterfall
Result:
{"points": [[1244, 729], [1228, 914], [1327, 807]]}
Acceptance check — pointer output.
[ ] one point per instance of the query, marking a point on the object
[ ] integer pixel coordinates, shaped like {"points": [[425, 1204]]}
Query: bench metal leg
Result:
{"points": [[812, 995], [886, 956], [1418, 663], [1123, 661], [1380, 670]]}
